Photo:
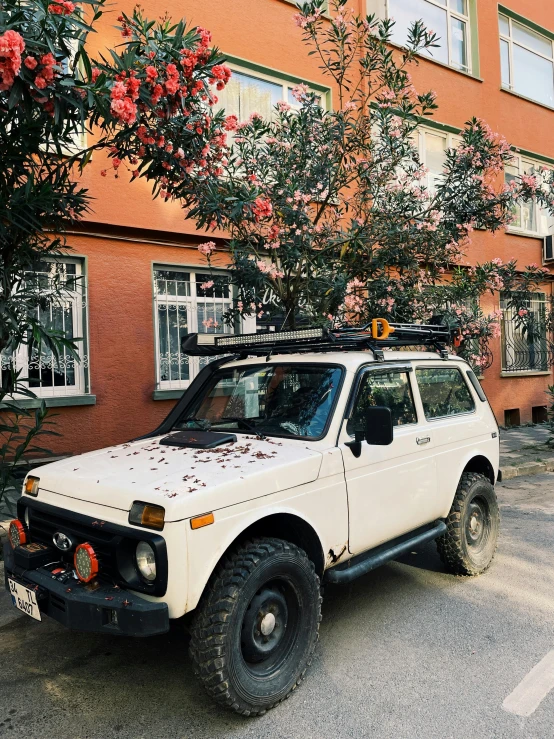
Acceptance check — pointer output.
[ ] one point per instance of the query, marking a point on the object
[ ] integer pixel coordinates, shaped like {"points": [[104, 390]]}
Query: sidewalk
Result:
{"points": [[524, 451]]}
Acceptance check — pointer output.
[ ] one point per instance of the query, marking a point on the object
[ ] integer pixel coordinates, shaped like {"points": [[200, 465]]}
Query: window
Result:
{"points": [[432, 145], [248, 93], [449, 19], [529, 217], [182, 306], [525, 347], [527, 61], [40, 371], [390, 389], [443, 392], [276, 400]]}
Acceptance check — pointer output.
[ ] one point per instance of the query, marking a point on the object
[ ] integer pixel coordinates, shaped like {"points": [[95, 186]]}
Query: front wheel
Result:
{"points": [[473, 524], [256, 628]]}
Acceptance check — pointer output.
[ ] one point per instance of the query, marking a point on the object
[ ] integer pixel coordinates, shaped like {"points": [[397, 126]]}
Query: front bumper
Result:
{"points": [[97, 607]]}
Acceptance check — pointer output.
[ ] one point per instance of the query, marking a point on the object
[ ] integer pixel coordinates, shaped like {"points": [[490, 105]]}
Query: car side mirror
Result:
{"points": [[378, 429]]}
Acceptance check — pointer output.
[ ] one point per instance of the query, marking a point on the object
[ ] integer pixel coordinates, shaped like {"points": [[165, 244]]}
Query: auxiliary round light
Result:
{"points": [[17, 534], [146, 561], [86, 562]]}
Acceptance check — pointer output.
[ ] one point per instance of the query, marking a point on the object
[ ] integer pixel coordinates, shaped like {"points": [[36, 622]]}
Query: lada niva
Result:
{"points": [[303, 457]]}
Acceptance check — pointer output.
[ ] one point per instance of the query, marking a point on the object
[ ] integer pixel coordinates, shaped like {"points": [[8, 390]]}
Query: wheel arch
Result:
{"points": [[482, 465], [281, 524]]}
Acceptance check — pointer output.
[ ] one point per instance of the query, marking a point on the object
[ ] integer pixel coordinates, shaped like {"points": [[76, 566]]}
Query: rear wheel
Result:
{"points": [[256, 627], [473, 525]]}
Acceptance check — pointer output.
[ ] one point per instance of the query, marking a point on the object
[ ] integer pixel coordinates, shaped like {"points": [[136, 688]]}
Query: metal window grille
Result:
{"points": [[62, 285], [183, 306], [526, 346]]}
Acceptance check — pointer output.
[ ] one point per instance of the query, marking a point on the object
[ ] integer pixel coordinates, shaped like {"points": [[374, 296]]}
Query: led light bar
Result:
{"points": [[273, 337]]}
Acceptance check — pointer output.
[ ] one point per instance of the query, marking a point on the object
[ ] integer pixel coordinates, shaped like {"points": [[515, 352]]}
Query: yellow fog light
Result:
{"points": [[30, 486], [147, 515]]}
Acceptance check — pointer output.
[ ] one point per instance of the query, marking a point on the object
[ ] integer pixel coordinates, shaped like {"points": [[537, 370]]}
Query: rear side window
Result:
{"points": [[391, 389], [443, 392]]}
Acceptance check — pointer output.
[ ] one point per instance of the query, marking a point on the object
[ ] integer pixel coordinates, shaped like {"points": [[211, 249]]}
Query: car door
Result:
{"points": [[391, 489]]}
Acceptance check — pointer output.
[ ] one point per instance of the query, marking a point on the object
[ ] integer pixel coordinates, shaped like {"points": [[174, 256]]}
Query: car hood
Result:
{"points": [[184, 481]]}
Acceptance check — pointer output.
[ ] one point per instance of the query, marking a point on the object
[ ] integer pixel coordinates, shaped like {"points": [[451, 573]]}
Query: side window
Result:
{"points": [[443, 392], [391, 389]]}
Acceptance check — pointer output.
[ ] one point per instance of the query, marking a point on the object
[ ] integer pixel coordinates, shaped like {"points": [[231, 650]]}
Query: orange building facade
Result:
{"points": [[139, 267]]}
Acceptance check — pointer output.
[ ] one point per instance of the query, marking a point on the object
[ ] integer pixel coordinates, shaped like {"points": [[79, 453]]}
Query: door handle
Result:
{"points": [[423, 440]]}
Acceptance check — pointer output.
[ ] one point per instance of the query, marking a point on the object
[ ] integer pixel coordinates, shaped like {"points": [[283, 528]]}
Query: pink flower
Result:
{"points": [[30, 62], [11, 48], [231, 123], [61, 7], [207, 249], [262, 208], [207, 285], [283, 106], [299, 92]]}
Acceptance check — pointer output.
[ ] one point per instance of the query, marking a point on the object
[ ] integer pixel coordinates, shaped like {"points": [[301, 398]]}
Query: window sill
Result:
{"points": [[525, 234], [527, 373], [168, 394], [524, 97], [55, 401]]}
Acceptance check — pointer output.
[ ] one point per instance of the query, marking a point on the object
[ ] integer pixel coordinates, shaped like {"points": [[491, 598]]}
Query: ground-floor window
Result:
{"points": [[63, 309], [185, 302], [525, 343]]}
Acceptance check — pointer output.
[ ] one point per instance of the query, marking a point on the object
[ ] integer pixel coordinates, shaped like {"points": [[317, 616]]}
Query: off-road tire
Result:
{"points": [[224, 626], [459, 553]]}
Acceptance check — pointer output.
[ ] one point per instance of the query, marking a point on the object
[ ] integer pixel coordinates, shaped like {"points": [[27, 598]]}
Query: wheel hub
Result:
{"points": [[476, 525], [264, 625], [267, 624]]}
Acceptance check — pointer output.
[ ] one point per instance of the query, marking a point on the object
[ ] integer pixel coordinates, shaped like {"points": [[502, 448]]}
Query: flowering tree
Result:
{"points": [[331, 210], [149, 102]]}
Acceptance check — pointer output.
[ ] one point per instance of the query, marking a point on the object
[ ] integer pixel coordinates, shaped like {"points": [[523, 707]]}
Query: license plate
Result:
{"points": [[25, 599]]}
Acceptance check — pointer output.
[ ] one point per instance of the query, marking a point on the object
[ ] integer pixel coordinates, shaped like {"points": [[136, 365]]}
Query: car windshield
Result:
{"points": [[269, 399]]}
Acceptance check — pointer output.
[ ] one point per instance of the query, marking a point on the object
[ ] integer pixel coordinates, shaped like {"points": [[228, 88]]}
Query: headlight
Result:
{"points": [[146, 561]]}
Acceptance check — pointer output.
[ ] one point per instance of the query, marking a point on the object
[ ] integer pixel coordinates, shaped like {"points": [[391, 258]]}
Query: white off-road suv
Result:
{"points": [[303, 457]]}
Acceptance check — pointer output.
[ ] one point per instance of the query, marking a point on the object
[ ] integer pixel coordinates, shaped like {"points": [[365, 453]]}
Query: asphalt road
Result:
{"points": [[407, 651]]}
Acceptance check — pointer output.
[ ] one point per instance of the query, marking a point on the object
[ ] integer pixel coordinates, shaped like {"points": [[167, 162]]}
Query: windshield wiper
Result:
{"points": [[247, 425]]}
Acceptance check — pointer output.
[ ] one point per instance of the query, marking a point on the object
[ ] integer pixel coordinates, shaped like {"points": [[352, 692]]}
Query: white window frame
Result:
{"points": [[382, 9], [274, 79], [510, 41], [522, 162], [21, 360], [191, 302], [452, 141]]}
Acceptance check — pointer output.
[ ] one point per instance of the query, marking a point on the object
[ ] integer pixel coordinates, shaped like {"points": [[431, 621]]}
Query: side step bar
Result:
{"points": [[362, 563]]}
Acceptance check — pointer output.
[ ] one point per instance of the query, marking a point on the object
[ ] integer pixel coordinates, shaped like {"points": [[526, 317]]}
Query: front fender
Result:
{"points": [[321, 505]]}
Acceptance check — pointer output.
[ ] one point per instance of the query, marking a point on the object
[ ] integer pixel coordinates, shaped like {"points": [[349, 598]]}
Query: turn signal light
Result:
{"points": [[149, 516], [86, 562], [30, 486], [17, 534], [205, 520]]}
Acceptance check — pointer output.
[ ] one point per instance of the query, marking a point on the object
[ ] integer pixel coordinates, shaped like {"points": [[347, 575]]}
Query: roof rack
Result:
{"points": [[376, 335]]}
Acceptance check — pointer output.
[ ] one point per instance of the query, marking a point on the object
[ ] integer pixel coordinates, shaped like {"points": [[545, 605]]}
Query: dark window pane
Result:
{"points": [[443, 392], [390, 389]]}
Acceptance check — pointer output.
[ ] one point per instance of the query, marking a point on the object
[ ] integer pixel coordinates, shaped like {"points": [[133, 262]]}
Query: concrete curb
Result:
{"points": [[528, 468]]}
